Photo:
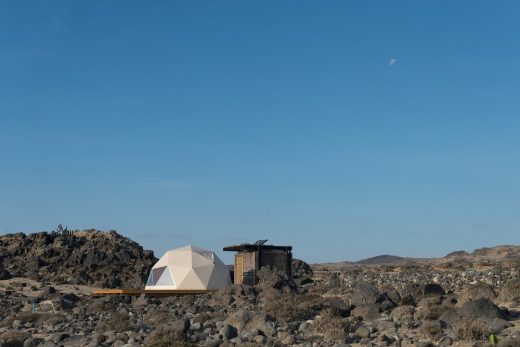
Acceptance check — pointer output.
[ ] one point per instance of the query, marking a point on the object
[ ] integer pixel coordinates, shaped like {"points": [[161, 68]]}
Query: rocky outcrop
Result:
{"points": [[401, 305], [95, 258]]}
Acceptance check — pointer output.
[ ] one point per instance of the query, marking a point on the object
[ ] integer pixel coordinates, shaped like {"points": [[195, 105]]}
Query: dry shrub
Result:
{"points": [[97, 306], [431, 330], [331, 326], [402, 311], [52, 319], [119, 322], [204, 317], [471, 328], [404, 316], [165, 336], [429, 312], [510, 293], [13, 338], [156, 317], [7, 322], [288, 308], [30, 317], [510, 342]]}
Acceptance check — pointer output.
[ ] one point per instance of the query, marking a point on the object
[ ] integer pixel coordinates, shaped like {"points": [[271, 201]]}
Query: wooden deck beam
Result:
{"points": [[138, 292]]}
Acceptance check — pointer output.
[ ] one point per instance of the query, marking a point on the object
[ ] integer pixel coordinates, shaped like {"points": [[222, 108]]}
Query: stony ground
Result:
{"points": [[455, 304]]}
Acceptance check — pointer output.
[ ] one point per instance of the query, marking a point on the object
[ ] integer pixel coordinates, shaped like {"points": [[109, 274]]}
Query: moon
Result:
{"points": [[392, 61]]}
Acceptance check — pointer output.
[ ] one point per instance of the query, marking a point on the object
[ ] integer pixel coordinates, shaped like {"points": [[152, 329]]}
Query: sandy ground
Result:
{"points": [[30, 293]]}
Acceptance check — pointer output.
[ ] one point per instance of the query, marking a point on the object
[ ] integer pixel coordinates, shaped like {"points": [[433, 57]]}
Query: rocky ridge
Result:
{"points": [[89, 257]]}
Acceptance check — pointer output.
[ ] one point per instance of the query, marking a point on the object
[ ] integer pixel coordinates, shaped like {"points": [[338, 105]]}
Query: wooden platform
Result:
{"points": [[138, 292]]}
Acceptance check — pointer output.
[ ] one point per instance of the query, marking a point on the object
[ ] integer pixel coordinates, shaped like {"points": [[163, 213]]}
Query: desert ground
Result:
{"points": [[47, 279]]}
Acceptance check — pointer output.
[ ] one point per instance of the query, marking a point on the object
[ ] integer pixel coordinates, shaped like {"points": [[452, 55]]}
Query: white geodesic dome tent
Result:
{"points": [[188, 268]]}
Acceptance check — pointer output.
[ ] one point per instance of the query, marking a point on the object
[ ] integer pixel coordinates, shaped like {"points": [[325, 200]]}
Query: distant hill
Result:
{"points": [[382, 259], [504, 253], [497, 253]]}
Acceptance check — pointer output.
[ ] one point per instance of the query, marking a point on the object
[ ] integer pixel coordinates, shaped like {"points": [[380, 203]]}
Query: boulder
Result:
{"points": [[337, 304], [482, 308], [477, 291], [367, 312], [270, 277], [300, 269], [247, 321], [4, 274], [364, 293], [228, 332], [428, 290], [362, 332]]}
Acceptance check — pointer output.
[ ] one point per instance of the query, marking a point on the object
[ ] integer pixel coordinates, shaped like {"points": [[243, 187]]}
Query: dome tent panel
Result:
{"points": [[166, 279], [204, 273], [189, 268], [219, 278], [162, 262], [201, 260], [180, 258], [192, 281], [180, 273], [155, 274]]}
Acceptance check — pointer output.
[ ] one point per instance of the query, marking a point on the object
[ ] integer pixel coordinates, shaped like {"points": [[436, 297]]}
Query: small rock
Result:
{"points": [[16, 324], [33, 342], [445, 341], [228, 332], [362, 332]]}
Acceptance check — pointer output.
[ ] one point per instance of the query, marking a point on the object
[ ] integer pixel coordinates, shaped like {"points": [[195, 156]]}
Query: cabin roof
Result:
{"points": [[250, 247]]}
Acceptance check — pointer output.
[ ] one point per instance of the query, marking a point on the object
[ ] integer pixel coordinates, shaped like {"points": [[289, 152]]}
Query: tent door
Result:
{"points": [[239, 269]]}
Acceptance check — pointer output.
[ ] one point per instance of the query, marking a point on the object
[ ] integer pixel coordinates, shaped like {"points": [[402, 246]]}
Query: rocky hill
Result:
{"points": [[497, 253], [505, 253], [89, 257], [382, 259]]}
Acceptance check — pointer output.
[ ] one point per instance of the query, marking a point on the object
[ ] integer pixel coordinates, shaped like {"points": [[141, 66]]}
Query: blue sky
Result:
{"points": [[345, 128]]}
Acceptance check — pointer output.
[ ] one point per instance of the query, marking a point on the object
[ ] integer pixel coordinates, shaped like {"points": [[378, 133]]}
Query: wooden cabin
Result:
{"points": [[251, 257]]}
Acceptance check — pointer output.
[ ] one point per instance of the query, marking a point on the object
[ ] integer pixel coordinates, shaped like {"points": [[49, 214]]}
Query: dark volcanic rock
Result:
{"points": [[300, 269], [364, 293], [482, 308], [270, 278], [478, 291], [4, 274], [367, 312], [416, 292], [100, 259]]}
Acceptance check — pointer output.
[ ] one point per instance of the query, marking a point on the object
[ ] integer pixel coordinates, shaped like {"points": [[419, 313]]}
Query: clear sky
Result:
{"points": [[344, 128]]}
